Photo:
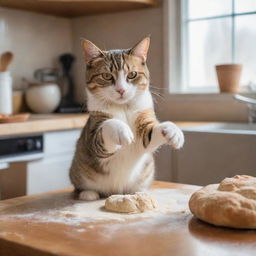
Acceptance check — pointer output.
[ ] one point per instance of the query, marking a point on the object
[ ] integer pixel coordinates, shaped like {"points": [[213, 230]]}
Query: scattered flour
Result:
{"points": [[77, 212], [13, 234]]}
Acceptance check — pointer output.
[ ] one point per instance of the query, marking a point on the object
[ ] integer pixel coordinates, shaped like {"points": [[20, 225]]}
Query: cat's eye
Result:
{"points": [[107, 76], [132, 75]]}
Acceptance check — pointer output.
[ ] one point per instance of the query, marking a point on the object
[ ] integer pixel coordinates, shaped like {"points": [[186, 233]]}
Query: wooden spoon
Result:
{"points": [[5, 61]]}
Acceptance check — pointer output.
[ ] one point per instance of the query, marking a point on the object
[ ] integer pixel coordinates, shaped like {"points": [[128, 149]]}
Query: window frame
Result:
{"points": [[176, 44]]}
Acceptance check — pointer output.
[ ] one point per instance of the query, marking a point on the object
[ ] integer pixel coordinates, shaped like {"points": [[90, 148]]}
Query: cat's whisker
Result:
{"points": [[159, 95], [104, 47], [159, 88], [155, 100]]}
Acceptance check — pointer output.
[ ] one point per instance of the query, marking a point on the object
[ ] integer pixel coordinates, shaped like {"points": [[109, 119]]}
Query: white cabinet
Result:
{"points": [[48, 174], [52, 171], [60, 142]]}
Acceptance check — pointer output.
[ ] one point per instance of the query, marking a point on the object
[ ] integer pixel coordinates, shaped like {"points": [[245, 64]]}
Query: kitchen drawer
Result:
{"points": [[48, 174], [60, 142]]}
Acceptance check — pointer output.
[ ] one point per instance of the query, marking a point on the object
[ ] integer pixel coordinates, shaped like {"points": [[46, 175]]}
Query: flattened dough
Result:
{"points": [[139, 202], [232, 203]]}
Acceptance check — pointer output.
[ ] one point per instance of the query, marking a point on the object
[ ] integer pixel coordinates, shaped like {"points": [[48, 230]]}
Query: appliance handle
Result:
{"points": [[245, 99], [22, 158]]}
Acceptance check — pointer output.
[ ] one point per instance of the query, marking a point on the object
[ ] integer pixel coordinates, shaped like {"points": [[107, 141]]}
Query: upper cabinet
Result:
{"points": [[74, 8]]}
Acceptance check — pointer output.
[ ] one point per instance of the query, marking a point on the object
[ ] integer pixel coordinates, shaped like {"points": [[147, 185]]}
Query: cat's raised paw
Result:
{"points": [[117, 133], [88, 195], [173, 134]]}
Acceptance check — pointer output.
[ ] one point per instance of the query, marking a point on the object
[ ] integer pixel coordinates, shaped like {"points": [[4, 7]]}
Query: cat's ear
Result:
{"points": [[90, 50], [141, 48]]}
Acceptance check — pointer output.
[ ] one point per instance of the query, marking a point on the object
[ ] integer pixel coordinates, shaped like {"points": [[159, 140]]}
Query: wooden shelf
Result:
{"points": [[75, 8]]}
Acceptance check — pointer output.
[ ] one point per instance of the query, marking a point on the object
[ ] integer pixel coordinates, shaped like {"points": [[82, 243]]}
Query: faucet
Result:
{"points": [[251, 103]]}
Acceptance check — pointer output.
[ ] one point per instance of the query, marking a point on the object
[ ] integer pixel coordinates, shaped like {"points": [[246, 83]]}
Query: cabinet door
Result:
{"points": [[208, 158], [52, 171], [48, 174], [60, 142]]}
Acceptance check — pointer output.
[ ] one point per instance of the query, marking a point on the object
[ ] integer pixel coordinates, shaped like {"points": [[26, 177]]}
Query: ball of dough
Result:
{"points": [[232, 203], [139, 202]]}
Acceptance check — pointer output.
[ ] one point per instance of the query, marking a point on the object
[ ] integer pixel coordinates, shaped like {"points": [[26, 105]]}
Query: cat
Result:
{"points": [[114, 151]]}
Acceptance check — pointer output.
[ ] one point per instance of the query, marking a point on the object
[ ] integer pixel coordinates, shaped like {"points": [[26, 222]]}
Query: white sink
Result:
{"points": [[231, 128]]}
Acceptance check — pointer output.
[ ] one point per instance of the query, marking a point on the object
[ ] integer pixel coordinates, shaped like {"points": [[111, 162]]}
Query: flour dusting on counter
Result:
{"points": [[77, 212]]}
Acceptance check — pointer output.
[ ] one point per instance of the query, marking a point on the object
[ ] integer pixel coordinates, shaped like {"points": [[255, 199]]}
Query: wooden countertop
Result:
{"points": [[44, 123], [38, 123], [177, 233]]}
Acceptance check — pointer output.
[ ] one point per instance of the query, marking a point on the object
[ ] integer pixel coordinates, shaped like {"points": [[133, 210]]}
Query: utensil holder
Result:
{"points": [[5, 93]]}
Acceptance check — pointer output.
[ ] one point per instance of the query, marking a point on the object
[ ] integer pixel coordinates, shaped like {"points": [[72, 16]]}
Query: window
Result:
{"points": [[215, 32]]}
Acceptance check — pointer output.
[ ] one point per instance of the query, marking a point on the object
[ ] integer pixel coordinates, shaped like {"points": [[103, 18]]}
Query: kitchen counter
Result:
{"points": [[38, 123], [37, 225]]}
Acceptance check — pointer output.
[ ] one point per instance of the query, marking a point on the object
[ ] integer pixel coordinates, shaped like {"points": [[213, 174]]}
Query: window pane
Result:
{"points": [[209, 43], [245, 46], [245, 6], [205, 8]]}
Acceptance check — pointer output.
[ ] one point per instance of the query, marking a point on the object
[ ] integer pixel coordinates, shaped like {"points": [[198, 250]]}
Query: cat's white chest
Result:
{"points": [[126, 116]]}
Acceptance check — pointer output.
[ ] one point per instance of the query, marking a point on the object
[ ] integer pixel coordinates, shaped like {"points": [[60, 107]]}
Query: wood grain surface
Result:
{"points": [[73, 8], [44, 123], [176, 234]]}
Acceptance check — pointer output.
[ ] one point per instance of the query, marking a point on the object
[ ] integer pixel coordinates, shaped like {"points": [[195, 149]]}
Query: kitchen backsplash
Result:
{"points": [[35, 39]]}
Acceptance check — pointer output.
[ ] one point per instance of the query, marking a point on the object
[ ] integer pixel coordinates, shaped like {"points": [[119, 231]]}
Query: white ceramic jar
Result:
{"points": [[43, 98], [5, 93]]}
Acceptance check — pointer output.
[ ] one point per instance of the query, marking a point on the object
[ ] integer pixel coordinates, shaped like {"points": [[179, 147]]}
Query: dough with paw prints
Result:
{"points": [[139, 202]]}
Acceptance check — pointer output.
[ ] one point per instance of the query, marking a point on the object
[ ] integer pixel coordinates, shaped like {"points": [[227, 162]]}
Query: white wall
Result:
{"points": [[35, 39]]}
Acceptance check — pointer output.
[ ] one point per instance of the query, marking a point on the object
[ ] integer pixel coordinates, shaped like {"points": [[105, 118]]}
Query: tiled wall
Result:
{"points": [[35, 39]]}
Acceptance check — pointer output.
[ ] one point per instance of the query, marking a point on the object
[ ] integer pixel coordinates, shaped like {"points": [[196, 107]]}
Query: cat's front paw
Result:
{"points": [[172, 133], [88, 195], [116, 134]]}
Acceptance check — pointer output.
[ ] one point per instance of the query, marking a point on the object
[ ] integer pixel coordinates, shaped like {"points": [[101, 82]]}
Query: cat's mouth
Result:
{"points": [[122, 99]]}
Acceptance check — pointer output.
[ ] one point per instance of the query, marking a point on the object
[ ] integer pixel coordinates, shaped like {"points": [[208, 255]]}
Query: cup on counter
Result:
{"points": [[5, 93], [43, 97]]}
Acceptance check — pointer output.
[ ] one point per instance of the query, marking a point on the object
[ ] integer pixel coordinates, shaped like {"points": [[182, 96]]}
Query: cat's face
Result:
{"points": [[116, 76]]}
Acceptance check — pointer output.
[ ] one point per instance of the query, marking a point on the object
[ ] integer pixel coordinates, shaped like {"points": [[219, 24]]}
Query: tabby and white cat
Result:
{"points": [[114, 151]]}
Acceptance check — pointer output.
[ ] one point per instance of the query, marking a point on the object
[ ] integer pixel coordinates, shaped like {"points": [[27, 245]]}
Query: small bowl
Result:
{"points": [[43, 98]]}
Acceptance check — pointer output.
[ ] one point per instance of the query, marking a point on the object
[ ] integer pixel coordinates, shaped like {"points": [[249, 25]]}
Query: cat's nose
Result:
{"points": [[121, 91]]}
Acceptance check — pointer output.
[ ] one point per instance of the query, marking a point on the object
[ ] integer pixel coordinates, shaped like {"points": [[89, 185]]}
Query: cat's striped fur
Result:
{"points": [[114, 151]]}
